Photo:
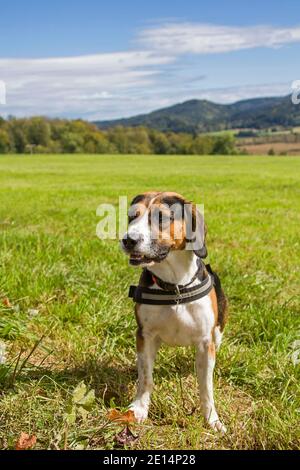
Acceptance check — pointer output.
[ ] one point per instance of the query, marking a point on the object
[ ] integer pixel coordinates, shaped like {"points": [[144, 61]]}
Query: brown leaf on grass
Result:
{"points": [[125, 437], [25, 441], [6, 302], [118, 417]]}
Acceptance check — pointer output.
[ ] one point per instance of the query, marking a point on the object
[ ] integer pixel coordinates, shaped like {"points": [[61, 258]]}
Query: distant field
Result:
{"points": [[264, 141], [277, 148], [64, 291], [279, 143]]}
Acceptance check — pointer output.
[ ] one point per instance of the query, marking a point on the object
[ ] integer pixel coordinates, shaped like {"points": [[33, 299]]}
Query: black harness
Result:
{"points": [[173, 294]]}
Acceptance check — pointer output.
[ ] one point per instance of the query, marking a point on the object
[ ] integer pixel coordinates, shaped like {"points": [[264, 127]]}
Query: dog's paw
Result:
{"points": [[218, 426], [140, 411]]}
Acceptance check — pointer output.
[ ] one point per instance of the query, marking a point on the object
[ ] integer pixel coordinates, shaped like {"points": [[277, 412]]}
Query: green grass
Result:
{"points": [[51, 261]]}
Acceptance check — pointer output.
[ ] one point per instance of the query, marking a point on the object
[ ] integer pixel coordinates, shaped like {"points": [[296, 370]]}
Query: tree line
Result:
{"points": [[43, 135]]}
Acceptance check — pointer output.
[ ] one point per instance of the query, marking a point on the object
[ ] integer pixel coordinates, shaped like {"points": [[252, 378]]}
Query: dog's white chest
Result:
{"points": [[178, 325]]}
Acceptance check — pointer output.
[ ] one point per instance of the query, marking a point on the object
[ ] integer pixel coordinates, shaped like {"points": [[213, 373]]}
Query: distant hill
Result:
{"points": [[205, 116]]}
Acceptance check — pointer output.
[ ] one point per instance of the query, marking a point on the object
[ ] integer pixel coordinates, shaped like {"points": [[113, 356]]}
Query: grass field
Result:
{"points": [[63, 301]]}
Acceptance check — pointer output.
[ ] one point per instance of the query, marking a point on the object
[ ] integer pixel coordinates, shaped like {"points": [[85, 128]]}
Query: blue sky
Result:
{"points": [[102, 60]]}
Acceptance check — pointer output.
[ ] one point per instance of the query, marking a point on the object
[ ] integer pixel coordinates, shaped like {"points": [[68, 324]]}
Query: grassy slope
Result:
{"points": [[51, 260]]}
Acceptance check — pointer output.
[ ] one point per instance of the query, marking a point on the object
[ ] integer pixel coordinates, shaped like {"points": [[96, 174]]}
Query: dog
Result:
{"points": [[179, 299]]}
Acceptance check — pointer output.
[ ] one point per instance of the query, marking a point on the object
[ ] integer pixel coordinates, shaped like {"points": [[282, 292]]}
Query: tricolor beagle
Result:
{"points": [[179, 300]]}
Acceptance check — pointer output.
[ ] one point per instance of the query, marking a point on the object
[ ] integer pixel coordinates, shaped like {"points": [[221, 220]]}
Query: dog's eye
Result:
{"points": [[161, 219], [131, 217]]}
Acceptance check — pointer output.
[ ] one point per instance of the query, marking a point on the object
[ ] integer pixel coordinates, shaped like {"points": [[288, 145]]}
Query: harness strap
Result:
{"points": [[145, 295], [168, 286]]}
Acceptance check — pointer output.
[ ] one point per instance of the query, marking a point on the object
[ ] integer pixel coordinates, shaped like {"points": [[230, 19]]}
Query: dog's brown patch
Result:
{"points": [[212, 350], [174, 234], [222, 310], [222, 302], [139, 340], [214, 302]]}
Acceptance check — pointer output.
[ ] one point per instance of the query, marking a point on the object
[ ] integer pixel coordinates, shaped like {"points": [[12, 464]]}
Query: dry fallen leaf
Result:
{"points": [[124, 418], [6, 302], [25, 441]]}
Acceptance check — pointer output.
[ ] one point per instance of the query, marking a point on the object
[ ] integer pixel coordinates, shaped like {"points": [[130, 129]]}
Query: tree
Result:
{"points": [[72, 142], [118, 137], [202, 145], [97, 142], [38, 132], [42, 135], [139, 141], [18, 138], [4, 141], [224, 145], [160, 143]]}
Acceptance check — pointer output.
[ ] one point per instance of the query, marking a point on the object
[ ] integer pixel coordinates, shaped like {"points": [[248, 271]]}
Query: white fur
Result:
{"points": [[140, 227], [189, 324]]}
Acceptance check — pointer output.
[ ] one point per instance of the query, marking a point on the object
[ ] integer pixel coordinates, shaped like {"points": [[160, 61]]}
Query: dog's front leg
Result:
{"points": [[147, 348], [205, 363]]}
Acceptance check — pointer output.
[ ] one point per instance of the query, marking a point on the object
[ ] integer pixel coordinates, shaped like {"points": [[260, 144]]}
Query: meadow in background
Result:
{"points": [[65, 317]]}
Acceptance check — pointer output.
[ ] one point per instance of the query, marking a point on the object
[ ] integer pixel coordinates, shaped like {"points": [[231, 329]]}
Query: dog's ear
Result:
{"points": [[195, 230], [144, 198]]}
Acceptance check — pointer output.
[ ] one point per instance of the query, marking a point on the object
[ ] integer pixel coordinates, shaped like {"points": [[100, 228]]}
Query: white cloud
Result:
{"points": [[121, 84], [2, 92], [76, 85], [104, 95], [237, 93], [197, 38]]}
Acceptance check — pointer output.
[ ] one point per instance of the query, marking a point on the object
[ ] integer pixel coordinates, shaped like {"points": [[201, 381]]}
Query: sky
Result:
{"points": [[101, 60]]}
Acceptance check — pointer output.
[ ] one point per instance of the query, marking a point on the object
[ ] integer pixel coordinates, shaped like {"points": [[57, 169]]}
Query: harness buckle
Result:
{"points": [[179, 296]]}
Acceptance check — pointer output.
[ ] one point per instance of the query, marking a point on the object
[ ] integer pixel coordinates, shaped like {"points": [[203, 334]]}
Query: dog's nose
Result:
{"points": [[130, 241]]}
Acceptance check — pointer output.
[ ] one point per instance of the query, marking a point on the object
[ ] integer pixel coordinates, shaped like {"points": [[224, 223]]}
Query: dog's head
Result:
{"points": [[160, 222]]}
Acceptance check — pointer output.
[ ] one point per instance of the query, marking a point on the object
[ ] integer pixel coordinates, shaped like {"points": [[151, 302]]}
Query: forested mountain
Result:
{"points": [[196, 116]]}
